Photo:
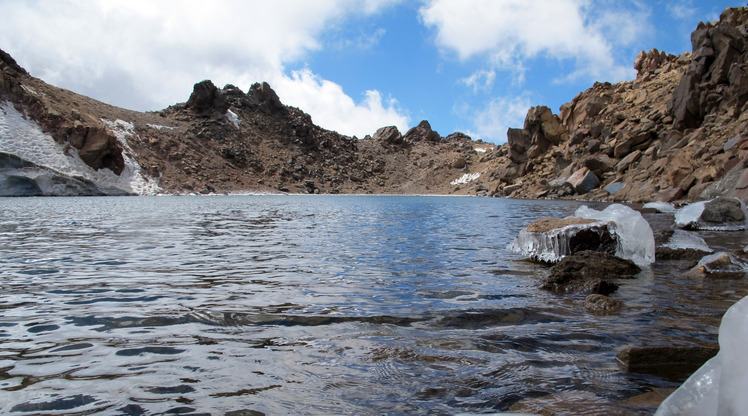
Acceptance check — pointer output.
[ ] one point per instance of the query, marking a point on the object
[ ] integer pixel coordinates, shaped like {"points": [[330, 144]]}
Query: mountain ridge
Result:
{"points": [[678, 132]]}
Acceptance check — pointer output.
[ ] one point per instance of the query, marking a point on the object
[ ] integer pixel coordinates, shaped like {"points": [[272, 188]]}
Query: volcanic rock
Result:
{"points": [[587, 272], [422, 132], [389, 135]]}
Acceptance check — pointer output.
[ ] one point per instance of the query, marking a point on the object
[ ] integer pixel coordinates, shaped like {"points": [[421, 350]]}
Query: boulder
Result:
{"points": [[587, 271], [101, 150], [422, 132], [602, 305], [598, 163], [583, 181], [389, 135], [673, 363]]}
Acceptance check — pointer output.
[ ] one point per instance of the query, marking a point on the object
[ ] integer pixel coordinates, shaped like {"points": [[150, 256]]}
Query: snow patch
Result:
{"points": [[468, 177], [719, 386], [233, 118], [635, 237], [132, 174], [157, 127], [482, 149], [29, 90], [24, 138]]}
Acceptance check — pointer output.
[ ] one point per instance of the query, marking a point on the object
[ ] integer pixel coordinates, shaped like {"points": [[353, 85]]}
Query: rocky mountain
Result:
{"points": [[679, 131], [219, 140]]}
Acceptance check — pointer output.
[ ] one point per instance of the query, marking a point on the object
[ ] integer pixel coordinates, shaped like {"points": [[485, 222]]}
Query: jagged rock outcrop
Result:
{"points": [[422, 132], [679, 131]]}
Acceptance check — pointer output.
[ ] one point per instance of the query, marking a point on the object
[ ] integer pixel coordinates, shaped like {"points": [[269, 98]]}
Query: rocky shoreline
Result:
{"points": [[589, 256]]}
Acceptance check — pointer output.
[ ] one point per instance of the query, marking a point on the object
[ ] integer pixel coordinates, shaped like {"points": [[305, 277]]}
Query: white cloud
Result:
{"points": [[682, 9], [492, 121], [508, 32], [330, 106], [481, 80], [146, 55]]}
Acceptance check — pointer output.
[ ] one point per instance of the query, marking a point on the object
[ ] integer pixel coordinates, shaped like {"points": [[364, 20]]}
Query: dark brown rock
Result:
{"points": [[587, 272], [263, 97], [422, 132], [389, 134]]}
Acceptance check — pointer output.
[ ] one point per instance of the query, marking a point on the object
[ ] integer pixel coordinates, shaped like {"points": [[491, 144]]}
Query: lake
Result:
{"points": [[319, 305]]}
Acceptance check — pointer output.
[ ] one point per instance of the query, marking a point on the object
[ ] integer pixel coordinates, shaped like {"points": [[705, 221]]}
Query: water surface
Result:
{"points": [[355, 305]]}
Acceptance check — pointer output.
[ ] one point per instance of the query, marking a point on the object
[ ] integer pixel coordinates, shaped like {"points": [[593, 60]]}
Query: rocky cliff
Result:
{"points": [[679, 131]]}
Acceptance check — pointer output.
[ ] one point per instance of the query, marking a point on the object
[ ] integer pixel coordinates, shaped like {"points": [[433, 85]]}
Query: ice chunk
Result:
{"points": [[664, 207], [719, 387], [635, 237], [684, 240], [552, 245]]}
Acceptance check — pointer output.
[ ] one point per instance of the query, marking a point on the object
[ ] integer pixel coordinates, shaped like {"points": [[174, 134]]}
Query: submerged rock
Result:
{"points": [[587, 272], [602, 305], [668, 362]]}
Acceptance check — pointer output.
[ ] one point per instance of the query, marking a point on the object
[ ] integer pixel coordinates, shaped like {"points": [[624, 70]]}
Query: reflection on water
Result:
{"points": [[314, 305]]}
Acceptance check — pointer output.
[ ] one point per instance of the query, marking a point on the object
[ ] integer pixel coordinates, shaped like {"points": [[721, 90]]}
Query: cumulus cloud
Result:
{"points": [[492, 120], [508, 32], [329, 105], [146, 55]]}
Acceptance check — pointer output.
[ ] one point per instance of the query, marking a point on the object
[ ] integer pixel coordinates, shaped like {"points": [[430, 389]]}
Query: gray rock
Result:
{"points": [[583, 181]]}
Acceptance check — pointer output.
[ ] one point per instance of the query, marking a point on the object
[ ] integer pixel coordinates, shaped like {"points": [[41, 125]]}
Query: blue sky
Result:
{"points": [[474, 66]]}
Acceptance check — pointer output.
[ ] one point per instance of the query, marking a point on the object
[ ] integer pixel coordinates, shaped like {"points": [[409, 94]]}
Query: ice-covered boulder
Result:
{"points": [[719, 214], [719, 387], [617, 230], [720, 265], [550, 239], [634, 235]]}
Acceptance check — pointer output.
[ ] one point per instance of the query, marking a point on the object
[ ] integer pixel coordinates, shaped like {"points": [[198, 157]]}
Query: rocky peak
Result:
{"points": [[389, 135], [718, 73], [649, 62], [422, 132], [207, 99], [263, 97]]}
